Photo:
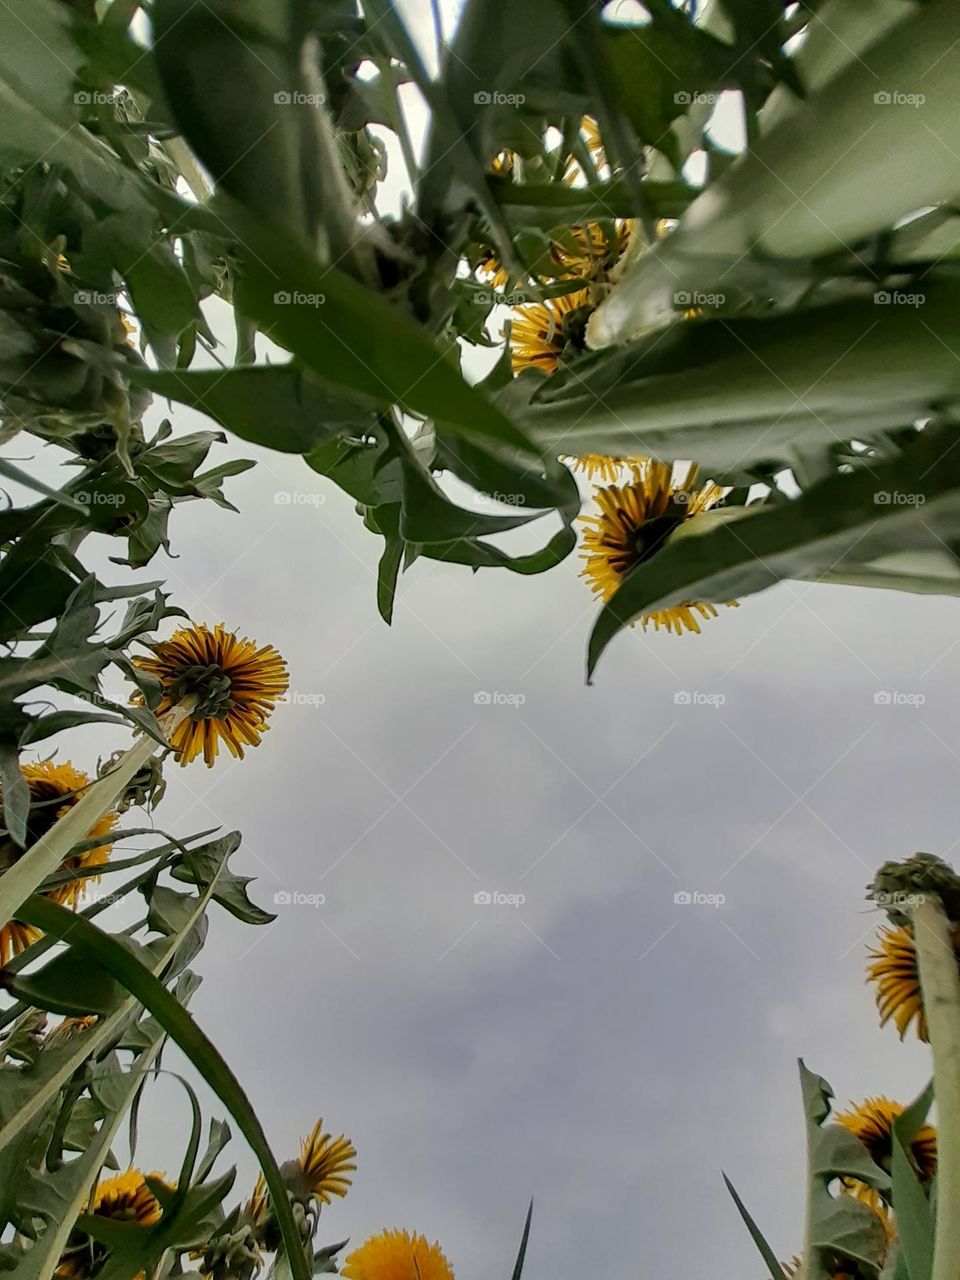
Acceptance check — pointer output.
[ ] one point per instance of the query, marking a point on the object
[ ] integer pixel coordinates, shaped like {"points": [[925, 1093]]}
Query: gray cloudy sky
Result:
{"points": [[601, 1047]]}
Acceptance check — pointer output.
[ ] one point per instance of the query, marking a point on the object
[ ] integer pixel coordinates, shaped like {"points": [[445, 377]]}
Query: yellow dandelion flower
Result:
{"points": [[872, 1123], [397, 1255], [125, 1198], [325, 1161], [54, 789], [129, 329], [503, 163], [597, 466], [635, 521], [491, 270], [895, 973], [319, 1173], [541, 332], [257, 1208], [71, 1029], [236, 685], [590, 134], [590, 131], [595, 253]]}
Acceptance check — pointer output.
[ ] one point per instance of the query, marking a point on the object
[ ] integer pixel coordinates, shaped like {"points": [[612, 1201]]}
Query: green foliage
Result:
{"points": [[733, 324], [790, 356]]}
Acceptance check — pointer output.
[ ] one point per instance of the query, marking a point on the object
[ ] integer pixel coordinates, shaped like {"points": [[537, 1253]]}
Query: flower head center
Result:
{"points": [[573, 327], [649, 537], [211, 687]]}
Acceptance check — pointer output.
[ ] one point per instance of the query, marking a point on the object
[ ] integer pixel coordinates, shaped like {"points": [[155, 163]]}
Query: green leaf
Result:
{"points": [[552, 205], [837, 1223], [91, 943], [732, 392], [367, 468], [522, 1252], [208, 865], [169, 911], [388, 524], [427, 515], [222, 67], [218, 1139], [31, 590], [133, 244], [279, 406], [38, 58], [62, 986], [915, 1218], [774, 1268], [13, 472]]}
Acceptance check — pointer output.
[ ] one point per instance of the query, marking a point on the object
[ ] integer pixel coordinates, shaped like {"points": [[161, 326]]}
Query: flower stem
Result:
{"points": [[47, 854], [940, 985]]}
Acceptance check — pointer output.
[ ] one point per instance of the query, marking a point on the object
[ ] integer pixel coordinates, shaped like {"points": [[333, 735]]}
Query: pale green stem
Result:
{"points": [[49, 852], [940, 986]]}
